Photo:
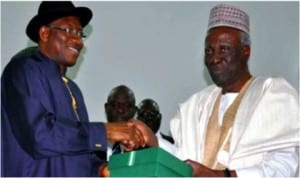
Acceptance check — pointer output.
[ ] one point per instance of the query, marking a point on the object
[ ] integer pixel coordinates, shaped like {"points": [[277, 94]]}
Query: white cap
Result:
{"points": [[224, 15]]}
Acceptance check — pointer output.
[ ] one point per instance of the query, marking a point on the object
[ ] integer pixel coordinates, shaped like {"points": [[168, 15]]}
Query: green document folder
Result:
{"points": [[149, 162]]}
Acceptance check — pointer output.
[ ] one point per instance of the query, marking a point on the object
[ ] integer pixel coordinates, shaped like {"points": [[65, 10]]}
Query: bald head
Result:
{"points": [[148, 112], [120, 105]]}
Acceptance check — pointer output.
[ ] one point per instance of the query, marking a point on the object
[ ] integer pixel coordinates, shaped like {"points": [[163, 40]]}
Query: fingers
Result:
{"points": [[106, 172], [103, 170], [136, 139], [199, 170], [147, 133], [195, 166], [127, 133], [139, 137], [133, 134]]}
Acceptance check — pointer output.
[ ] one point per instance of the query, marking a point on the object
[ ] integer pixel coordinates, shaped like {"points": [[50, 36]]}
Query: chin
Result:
{"points": [[219, 82], [70, 64]]}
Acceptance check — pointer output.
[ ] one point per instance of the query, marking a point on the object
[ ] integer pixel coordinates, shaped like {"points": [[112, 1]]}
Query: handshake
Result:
{"points": [[132, 135]]}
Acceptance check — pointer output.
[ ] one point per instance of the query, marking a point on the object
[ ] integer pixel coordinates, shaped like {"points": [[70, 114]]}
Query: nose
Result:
{"points": [[77, 42], [76, 38], [121, 108], [216, 59], [213, 59]]}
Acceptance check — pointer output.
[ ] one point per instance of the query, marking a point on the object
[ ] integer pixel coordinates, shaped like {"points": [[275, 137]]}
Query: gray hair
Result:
{"points": [[245, 38]]}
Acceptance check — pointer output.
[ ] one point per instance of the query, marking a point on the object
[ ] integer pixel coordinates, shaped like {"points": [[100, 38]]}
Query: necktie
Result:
{"points": [[73, 100]]}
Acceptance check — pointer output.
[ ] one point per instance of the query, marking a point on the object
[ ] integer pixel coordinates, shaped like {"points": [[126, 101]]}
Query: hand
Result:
{"points": [[149, 136], [103, 170], [200, 170], [126, 133]]}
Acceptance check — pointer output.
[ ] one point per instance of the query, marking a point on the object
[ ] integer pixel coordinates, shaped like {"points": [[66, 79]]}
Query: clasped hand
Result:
{"points": [[132, 134]]}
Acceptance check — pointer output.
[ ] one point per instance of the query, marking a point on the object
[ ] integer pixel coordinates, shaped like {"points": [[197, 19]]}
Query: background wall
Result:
{"points": [[156, 48]]}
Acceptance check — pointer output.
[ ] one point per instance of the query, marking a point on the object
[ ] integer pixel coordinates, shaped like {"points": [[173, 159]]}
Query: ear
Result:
{"points": [[44, 33], [159, 116], [246, 51]]}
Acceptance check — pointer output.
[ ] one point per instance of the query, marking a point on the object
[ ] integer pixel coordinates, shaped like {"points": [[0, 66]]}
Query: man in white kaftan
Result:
{"points": [[264, 135], [242, 126]]}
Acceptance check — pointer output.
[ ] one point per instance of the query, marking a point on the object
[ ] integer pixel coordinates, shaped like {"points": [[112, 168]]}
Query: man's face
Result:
{"points": [[63, 43], [120, 106], [224, 56]]}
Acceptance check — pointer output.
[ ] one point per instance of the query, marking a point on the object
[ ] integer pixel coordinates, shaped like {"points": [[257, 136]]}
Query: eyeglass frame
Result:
{"points": [[69, 31]]}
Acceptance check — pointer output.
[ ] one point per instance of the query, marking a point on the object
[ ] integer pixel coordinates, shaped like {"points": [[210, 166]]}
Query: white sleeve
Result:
{"points": [[164, 144], [278, 163]]}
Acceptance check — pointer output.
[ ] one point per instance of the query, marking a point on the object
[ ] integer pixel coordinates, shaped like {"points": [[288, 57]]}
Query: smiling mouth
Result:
{"points": [[75, 50], [215, 70]]}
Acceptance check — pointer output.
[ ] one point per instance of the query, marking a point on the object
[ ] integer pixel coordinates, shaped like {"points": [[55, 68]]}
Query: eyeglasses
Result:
{"points": [[69, 31]]}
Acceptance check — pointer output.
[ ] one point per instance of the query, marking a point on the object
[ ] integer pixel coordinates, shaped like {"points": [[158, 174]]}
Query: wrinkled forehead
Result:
{"points": [[223, 33]]}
